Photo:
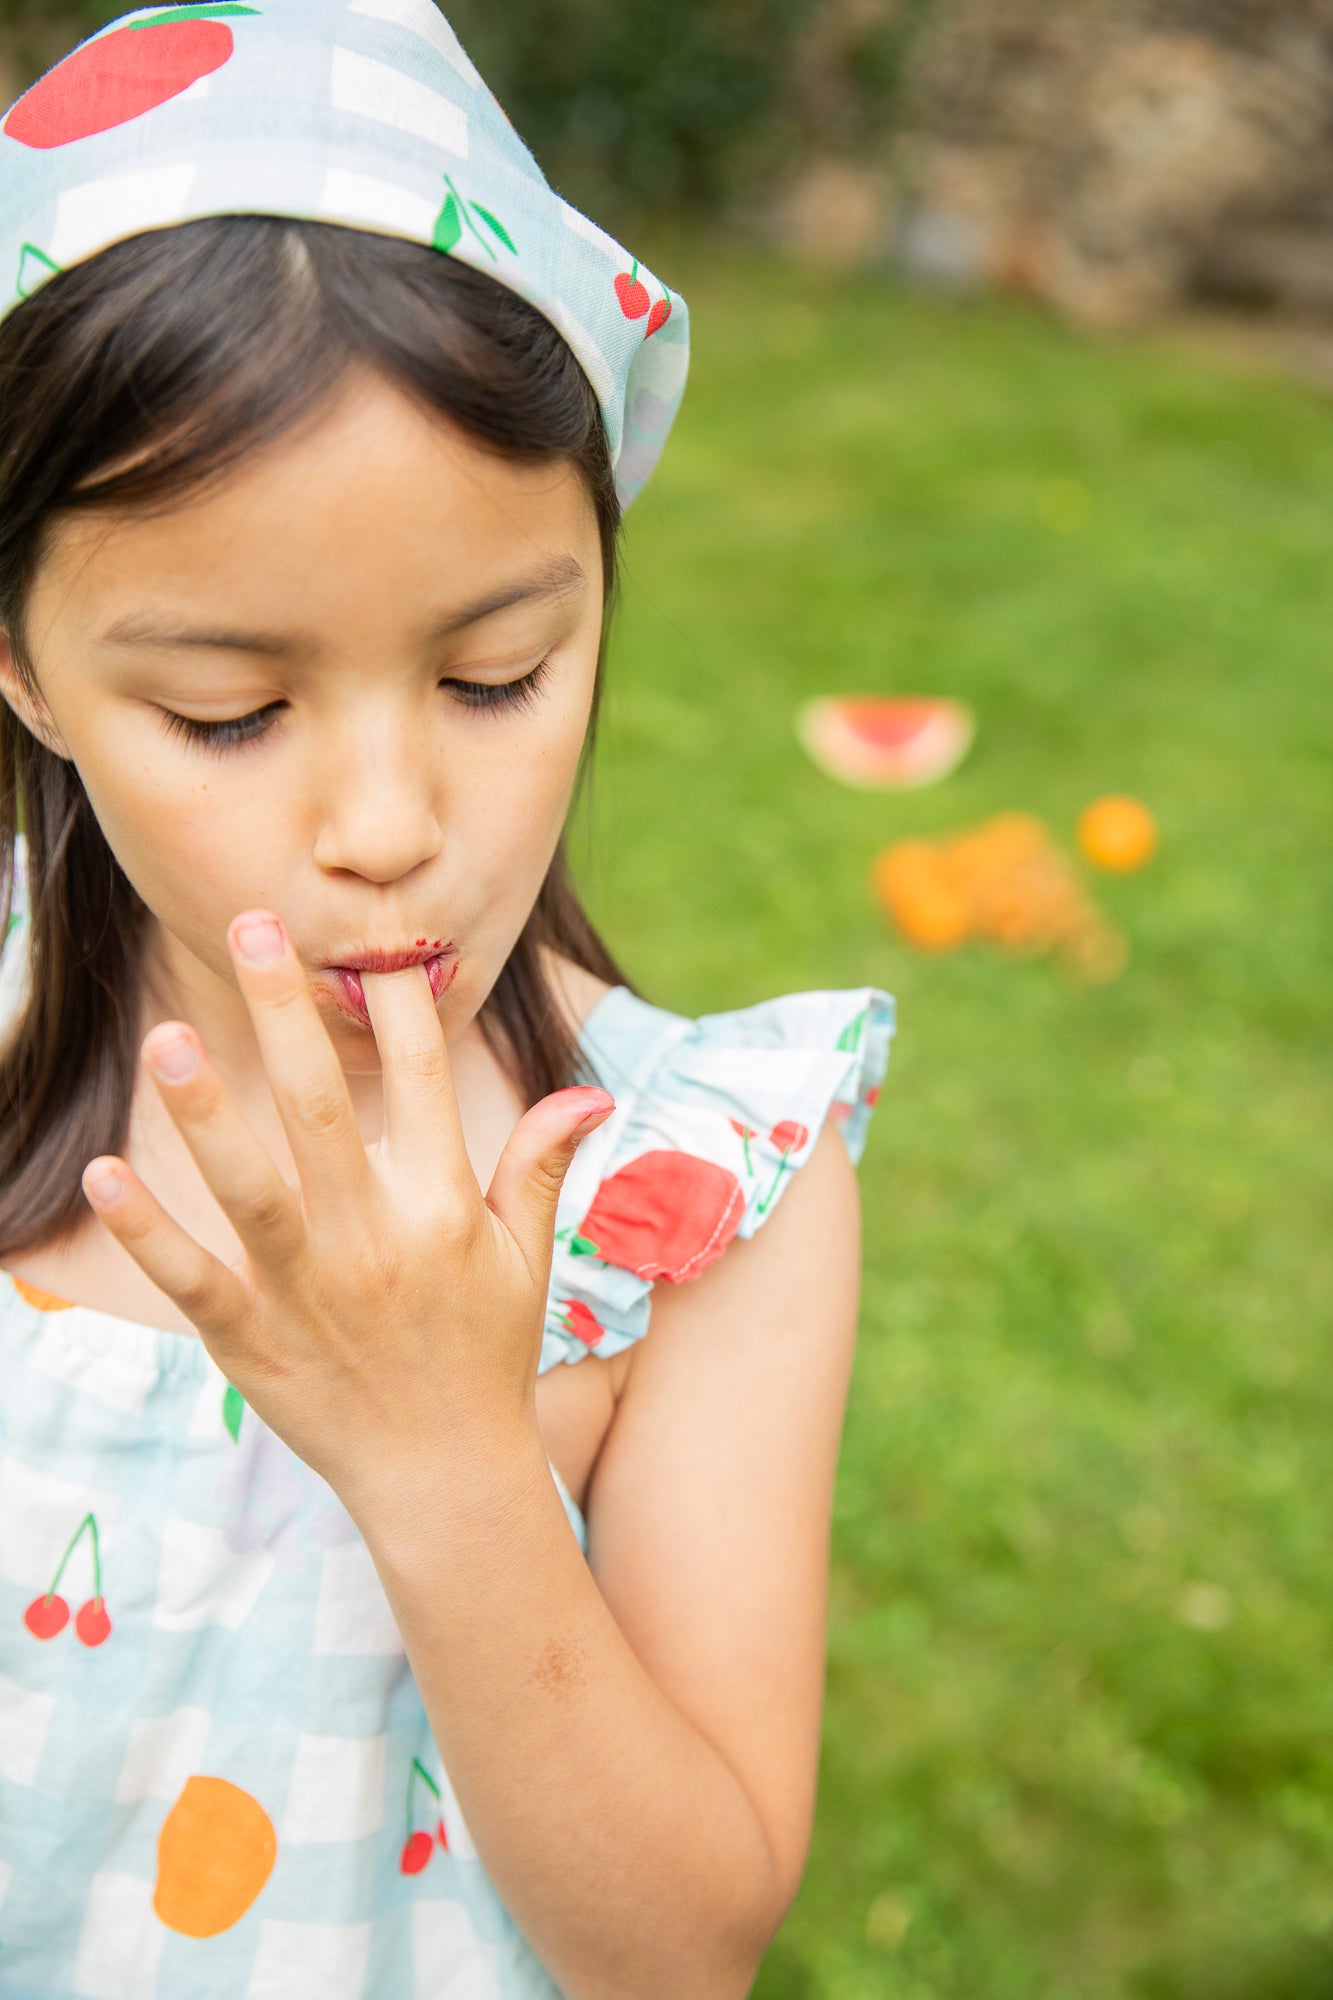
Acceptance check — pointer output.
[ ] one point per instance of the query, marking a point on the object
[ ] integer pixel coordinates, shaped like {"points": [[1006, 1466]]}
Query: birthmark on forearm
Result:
{"points": [[561, 1669]]}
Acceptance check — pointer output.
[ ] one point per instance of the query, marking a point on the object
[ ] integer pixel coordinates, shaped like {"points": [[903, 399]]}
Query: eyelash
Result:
{"points": [[234, 733]]}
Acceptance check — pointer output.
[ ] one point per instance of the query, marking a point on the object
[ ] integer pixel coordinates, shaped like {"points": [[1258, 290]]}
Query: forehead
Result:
{"points": [[377, 500]]}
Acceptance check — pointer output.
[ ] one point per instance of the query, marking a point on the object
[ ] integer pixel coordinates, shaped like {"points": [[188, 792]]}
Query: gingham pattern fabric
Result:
{"points": [[361, 112], [217, 1780]]}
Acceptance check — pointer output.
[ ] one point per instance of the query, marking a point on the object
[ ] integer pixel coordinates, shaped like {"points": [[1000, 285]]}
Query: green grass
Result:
{"points": [[1079, 1731]]}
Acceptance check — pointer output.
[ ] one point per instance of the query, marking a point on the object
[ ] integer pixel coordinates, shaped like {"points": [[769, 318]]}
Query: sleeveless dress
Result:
{"points": [[217, 1779]]}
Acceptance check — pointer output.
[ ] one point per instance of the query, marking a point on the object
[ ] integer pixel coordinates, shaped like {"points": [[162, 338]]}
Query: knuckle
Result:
{"points": [[137, 1225], [548, 1176], [266, 1210], [194, 1294], [452, 1219], [421, 1058], [324, 1111], [285, 995]]}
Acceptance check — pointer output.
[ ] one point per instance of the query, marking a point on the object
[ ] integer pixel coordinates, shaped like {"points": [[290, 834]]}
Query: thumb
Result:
{"points": [[525, 1187]]}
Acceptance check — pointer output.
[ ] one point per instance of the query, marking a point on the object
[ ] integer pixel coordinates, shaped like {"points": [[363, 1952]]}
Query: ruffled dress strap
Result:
{"points": [[713, 1117]]}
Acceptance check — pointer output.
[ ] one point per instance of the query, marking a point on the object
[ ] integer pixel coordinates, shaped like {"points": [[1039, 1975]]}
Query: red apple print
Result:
{"points": [[46, 1616], [122, 75], [659, 316], [633, 295], [872, 1095], [417, 1850], [92, 1623], [582, 1323], [788, 1137], [441, 1835], [665, 1215]]}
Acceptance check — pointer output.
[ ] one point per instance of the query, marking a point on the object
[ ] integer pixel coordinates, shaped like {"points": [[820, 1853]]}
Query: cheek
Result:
{"points": [[505, 831], [190, 844], [513, 819]]}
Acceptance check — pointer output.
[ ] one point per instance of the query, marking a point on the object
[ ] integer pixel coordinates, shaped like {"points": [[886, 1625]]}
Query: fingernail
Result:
{"points": [[105, 1185], [175, 1060], [260, 939], [594, 1117]]}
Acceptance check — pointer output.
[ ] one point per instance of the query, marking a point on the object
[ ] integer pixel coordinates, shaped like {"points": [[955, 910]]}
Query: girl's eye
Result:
{"points": [[220, 735], [501, 694], [249, 728]]}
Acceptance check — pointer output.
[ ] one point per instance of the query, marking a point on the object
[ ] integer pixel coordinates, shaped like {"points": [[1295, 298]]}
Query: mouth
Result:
{"points": [[348, 994]]}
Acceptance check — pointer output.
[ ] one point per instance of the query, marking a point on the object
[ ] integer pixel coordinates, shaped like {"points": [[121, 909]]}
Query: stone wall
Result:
{"points": [[1111, 156]]}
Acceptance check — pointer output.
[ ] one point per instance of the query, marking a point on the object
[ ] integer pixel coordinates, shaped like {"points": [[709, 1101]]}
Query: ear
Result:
{"points": [[34, 718]]}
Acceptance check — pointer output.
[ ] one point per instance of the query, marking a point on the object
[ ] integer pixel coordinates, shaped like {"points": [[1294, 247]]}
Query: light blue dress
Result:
{"points": [[198, 1666]]}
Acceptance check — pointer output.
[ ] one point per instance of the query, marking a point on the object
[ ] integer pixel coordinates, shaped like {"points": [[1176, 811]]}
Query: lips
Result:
{"points": [[349, 992]]}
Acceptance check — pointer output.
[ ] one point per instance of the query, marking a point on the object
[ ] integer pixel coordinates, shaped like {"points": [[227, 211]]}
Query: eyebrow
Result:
{"points": [[557, 578]]}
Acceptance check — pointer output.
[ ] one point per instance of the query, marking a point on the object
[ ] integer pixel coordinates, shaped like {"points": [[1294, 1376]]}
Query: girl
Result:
{"points": [[382, 1613]]}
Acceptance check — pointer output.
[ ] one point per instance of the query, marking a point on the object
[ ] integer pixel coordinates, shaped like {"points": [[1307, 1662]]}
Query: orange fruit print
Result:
{"points": [[121, 76], [215, 1852]]}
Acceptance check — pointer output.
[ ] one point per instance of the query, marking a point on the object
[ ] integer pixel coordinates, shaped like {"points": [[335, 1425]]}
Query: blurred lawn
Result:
{"points": [[1079, 1734]]}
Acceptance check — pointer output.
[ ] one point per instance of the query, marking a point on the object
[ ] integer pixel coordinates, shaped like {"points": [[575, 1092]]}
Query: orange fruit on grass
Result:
{"points": [[1009, 838], [1118, 833], [913, 885]]}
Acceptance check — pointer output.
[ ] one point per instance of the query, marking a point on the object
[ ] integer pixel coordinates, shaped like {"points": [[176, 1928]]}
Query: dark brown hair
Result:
{"points": [[134, 379]]}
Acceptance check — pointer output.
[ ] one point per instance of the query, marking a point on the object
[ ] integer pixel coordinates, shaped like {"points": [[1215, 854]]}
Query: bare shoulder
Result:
{"points": [[710, 1504]]}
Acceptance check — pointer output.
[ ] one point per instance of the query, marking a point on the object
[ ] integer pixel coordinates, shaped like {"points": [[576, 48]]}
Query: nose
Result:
{"points": [[376, 792]]}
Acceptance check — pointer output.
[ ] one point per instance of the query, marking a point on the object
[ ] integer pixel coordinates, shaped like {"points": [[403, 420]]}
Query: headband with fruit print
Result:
{"points": [[360, 112]]}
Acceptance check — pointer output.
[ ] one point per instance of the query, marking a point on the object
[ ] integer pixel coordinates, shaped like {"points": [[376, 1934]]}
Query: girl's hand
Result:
{"points": [[384, 1306]]}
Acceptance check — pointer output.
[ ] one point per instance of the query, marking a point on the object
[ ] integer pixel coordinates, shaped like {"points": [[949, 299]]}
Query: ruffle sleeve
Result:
{"points": [[713, 1117]]}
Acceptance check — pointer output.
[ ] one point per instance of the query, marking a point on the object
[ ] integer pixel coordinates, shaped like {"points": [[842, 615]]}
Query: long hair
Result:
{"points": [[139, 377]]}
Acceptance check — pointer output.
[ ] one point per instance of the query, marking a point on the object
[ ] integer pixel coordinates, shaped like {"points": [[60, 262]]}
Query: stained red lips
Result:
{"points": [[350, 994]]}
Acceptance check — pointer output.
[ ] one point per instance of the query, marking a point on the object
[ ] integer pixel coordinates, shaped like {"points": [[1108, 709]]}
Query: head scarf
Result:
{"points": [[360, 112]]}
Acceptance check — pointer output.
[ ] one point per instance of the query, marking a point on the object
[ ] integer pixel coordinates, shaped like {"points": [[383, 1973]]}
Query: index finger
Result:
{"points": [[423, 1130]]}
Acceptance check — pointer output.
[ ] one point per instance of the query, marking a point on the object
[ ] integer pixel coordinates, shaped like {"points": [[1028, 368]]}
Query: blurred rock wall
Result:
{"points": [[1112, 156]]}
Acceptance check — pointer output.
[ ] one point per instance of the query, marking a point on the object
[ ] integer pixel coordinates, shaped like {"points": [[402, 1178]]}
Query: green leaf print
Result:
{"points": [[448, 226], [35, 267], [456, 215], [494, 222], [217, 12], [233, 1402], [576, 1245], [851, 1034]]}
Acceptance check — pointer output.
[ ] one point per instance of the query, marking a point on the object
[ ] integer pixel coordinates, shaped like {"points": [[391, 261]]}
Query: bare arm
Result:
{"points": [[634, 1740]]}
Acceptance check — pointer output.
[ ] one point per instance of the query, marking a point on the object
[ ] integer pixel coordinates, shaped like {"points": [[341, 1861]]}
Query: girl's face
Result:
{"points": [[344, 582]]}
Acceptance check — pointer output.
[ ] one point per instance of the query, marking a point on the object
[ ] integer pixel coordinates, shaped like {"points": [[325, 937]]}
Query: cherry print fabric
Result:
{"points": [[365, 113], [217, 1779]]}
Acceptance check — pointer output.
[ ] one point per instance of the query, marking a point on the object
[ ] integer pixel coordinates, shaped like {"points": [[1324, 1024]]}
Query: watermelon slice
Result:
{"points": [[881, 741]]}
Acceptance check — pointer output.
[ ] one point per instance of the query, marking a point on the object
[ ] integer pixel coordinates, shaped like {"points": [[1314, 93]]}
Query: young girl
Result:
{"points": [[381, 1612]]}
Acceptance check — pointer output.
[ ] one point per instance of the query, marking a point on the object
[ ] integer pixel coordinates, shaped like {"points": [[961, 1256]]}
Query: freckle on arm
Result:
{"points": [[561, 1668]]}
